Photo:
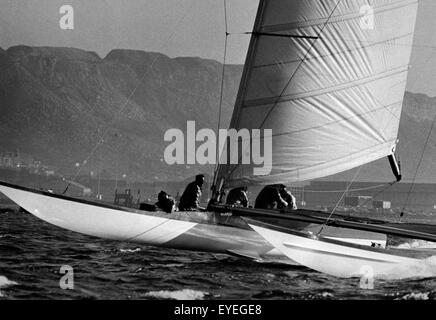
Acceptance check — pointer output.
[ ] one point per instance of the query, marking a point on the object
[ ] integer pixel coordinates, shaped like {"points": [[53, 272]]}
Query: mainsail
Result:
{"points": [[328, 77]]}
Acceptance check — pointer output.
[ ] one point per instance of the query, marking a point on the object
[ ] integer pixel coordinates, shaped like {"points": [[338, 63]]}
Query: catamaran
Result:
{"points": [[328, 78]]}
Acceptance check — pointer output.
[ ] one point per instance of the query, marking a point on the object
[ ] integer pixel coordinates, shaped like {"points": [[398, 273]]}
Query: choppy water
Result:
{"points": [[32, 252]]}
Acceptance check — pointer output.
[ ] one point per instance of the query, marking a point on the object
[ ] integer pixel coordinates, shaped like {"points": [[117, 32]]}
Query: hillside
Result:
{"points": [[56, 103]]}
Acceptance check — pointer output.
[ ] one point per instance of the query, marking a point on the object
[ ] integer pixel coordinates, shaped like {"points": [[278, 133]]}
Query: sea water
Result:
{"points": [[33, 252]]}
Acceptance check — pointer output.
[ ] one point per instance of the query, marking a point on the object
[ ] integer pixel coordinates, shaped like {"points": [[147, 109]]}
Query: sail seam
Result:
{"points": [[360, 115], [344, 101], [381, 146], [290, 79], [370, 45], [314, 93], [312, 45], [334, 19], [286, 175], [374, 148]]}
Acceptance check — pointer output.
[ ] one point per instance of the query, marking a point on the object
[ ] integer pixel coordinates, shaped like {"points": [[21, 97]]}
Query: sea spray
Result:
{"points": [[5, 282], [417, 244], [185, 294], [425, 268]]}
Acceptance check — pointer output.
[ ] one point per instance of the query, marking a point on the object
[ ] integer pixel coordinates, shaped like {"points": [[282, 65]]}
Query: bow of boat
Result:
{"points": [[95, 218], [339, 258]]}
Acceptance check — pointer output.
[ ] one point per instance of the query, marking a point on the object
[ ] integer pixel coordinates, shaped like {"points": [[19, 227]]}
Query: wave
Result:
{"points": [[7, 236], [5, 282], [167, 265], [417, 244], [185, 294], [130, 250], [425, 268], [416, 296]]}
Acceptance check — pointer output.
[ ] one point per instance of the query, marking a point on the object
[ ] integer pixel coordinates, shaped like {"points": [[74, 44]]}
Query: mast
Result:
{"points": [[217, 185]]}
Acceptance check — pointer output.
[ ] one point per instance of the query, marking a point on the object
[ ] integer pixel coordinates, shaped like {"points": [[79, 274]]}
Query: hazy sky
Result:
{"points": [[173, 27]]}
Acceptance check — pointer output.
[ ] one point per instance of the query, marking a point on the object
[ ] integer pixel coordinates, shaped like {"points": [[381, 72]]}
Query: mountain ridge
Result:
{"points": [[56, 103]]}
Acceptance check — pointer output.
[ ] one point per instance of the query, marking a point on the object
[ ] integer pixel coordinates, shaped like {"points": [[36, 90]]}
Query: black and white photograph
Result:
{"points": [[218, 150]]}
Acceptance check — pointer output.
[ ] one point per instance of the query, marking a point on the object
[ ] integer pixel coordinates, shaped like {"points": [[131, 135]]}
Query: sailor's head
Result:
{"points": [[199, 179], [162, 196]]}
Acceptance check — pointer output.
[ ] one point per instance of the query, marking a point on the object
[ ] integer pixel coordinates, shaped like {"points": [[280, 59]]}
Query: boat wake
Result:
{"points": [[425, 268], [417, 244], [416, 296], [4, 283], [185, 294], [130, 250]]}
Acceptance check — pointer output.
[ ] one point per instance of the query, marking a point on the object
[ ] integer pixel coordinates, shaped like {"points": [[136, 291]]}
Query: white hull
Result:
{"points": [[338, 258], [182, 230], [97, 221]]}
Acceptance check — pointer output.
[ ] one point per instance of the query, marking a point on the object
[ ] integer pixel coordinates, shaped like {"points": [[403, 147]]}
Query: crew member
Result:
{"points": [[165, 202], [288, 197], [270, 198], [190, 200], [238, 197]]}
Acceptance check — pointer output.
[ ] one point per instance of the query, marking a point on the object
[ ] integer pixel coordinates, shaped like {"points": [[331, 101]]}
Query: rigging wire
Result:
{"points": [[387, 186], [351, 190], [299, 66], [291, 78], [418, 167], [120, 110], [339, 201], [428, 140], [222, 92]]}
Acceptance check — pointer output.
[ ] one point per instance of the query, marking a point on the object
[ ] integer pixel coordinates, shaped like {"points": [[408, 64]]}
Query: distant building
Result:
{"points": [[22, 161], [380, 204], [124, 199], [358, 201], [419, 196]]}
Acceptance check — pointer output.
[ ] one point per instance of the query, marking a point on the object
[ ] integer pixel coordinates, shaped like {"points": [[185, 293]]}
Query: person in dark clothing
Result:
{"points": [[238, 196], [288, 197], [275, 197], [165, 202], [270, 198], [190, 200]]}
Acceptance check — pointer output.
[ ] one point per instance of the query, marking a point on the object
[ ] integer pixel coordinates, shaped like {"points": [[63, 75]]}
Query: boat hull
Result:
{"points": [[182, 230], [339, 258], [199, 231]]}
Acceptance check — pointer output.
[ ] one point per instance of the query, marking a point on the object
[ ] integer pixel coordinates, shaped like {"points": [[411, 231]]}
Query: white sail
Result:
{"points": [[333, 98]]}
